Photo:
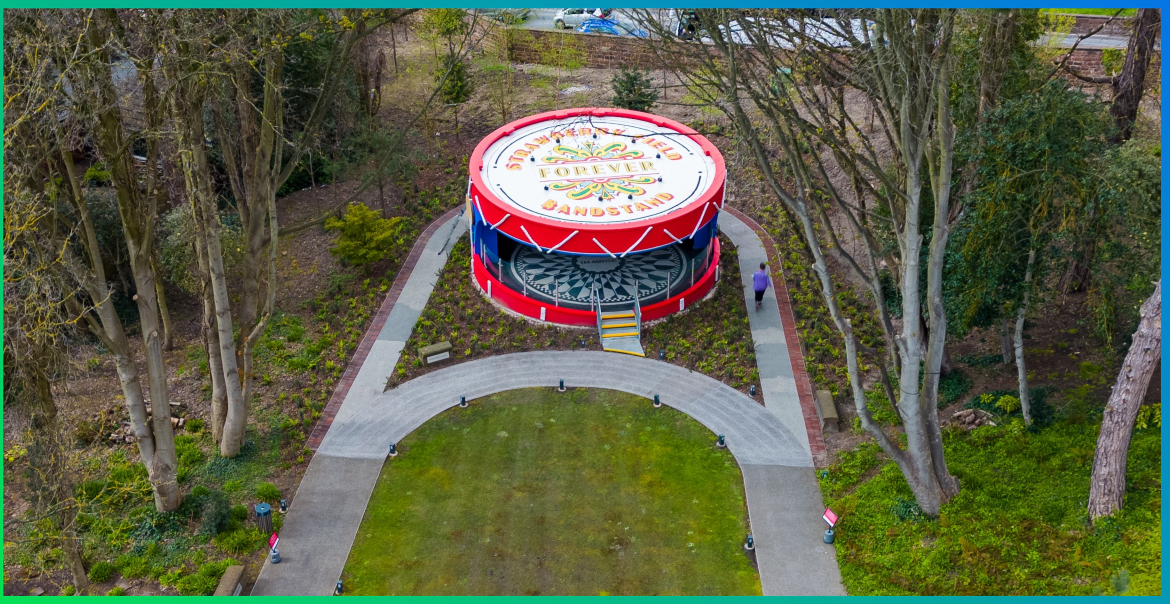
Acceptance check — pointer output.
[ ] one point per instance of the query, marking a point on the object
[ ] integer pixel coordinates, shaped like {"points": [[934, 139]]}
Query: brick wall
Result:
{"points": [[1087, 23], [603, 51], [1088, 62]]}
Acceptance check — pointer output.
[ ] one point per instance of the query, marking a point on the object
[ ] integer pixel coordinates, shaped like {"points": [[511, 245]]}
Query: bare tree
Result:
{"points": [[797, 79], [1107, 486], [75, 49]]}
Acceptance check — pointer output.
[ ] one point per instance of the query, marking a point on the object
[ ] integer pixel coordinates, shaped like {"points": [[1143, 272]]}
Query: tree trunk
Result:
{"points": [[1107, 486], [1130, 84], [1021, 367], [160, 291]]}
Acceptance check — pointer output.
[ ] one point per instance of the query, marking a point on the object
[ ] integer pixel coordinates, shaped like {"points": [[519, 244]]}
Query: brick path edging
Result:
{"points": [[363, 349], [804, 391]]}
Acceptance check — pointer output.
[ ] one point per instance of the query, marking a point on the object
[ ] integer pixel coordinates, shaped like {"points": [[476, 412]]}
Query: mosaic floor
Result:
{"points": [[570, 280]]}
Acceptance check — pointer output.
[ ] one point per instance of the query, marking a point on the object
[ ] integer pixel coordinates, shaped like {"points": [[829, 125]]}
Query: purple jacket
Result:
{"points": [[760, 280]]}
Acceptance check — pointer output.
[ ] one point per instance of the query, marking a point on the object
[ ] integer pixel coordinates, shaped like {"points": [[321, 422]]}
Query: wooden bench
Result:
{"points": [[827, 412], [229, 583], [434, 353]]}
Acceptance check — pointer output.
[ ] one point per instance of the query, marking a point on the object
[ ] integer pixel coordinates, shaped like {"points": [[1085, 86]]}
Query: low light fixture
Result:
{"points": [[561, 387], [750, 544], [582, 343], [338, 591], [393, 450], [722, 442], [753, 390], [662, 355], [283, 506], [463, 402], [657, 403]]}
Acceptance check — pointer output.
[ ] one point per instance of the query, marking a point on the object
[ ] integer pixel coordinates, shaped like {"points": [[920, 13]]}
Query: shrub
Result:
{"points": [[117, 591], [204, 581], [240, 542], [1008, 403], [632, 89], [194, 426], [91, 489], [101, 571], [239, 512], [97, 176], [364, 236], [69, 590], [131, 566], [267, 492]]}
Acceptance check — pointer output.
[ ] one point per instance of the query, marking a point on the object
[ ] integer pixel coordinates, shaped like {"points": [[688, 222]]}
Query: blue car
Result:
{"points": [[612, 28]]}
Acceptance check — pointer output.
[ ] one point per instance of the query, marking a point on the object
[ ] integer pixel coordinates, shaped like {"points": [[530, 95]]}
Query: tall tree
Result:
{"points": [[810, 82], [80, 75], [1107, 486]]}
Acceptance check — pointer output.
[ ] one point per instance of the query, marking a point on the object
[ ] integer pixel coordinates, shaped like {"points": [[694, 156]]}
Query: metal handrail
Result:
{"points": [[638, 307], [597, 308]]}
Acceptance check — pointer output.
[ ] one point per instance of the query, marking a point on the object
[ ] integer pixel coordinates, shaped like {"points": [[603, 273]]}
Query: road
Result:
{"points": [[542, 18]]}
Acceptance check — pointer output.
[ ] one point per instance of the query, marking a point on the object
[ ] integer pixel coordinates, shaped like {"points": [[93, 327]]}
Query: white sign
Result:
{"points": [[597, 170]]}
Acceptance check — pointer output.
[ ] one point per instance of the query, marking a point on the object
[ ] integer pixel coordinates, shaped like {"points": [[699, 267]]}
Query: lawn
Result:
{"points": [[534, 492]]}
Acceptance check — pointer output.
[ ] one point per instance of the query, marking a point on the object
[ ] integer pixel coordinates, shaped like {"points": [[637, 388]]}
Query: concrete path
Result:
{"points": [[770, 443]]}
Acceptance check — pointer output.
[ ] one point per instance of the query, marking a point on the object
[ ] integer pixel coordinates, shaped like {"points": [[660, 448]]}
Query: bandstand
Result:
{"points": [[603, 217]]}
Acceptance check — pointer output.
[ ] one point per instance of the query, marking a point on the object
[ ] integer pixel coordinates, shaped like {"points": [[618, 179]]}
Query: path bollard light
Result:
{"points": [[661, 355], [338, 590], [722, 442], [561, 387], [829, 536], [753, 390], [582, 343], [275, 556], [283, 506], [463, 402], [393, 450], [824, 473], [657, 403], [751, 544]]}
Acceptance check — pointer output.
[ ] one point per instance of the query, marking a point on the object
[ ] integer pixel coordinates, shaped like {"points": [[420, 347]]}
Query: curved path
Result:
{"points": [[770, 443]]}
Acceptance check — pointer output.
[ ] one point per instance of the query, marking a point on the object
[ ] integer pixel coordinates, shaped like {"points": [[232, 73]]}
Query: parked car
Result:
{"points": [[571, 18], [508, 15], [612, 28]]}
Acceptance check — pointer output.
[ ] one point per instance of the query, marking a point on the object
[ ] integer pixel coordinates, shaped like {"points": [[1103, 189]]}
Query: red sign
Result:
{"points": [[829, 517], [272, 541]]}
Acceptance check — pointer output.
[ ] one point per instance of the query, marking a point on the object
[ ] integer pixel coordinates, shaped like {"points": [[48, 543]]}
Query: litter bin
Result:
{"points": [[264, 518]]}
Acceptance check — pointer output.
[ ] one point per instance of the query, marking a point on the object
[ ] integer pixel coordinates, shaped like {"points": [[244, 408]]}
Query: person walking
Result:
{"points": [[760, 282]]}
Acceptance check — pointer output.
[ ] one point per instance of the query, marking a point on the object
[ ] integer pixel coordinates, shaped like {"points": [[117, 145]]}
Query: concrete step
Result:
{"points": [[617, 315], [626, 345], [614, 323]]}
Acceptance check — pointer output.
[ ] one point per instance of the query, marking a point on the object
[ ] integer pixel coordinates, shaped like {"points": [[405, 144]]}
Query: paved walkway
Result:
{"points": [[770, 443]]}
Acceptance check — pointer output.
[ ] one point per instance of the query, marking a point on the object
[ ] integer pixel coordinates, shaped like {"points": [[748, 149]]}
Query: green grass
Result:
{"points": [[1108, 12], [1017, 527], [534, 492]]}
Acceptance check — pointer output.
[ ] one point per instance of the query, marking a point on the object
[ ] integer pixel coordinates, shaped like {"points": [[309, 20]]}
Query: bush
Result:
{"points": [[240, 542], [69, 590], [132, 566], [91, 489], [633, 89], [97, 176], [194, 426], [267, 492], [365, 236], [101, 571], [215, 513], [117, 591], [239, 513], [204, 581]]}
